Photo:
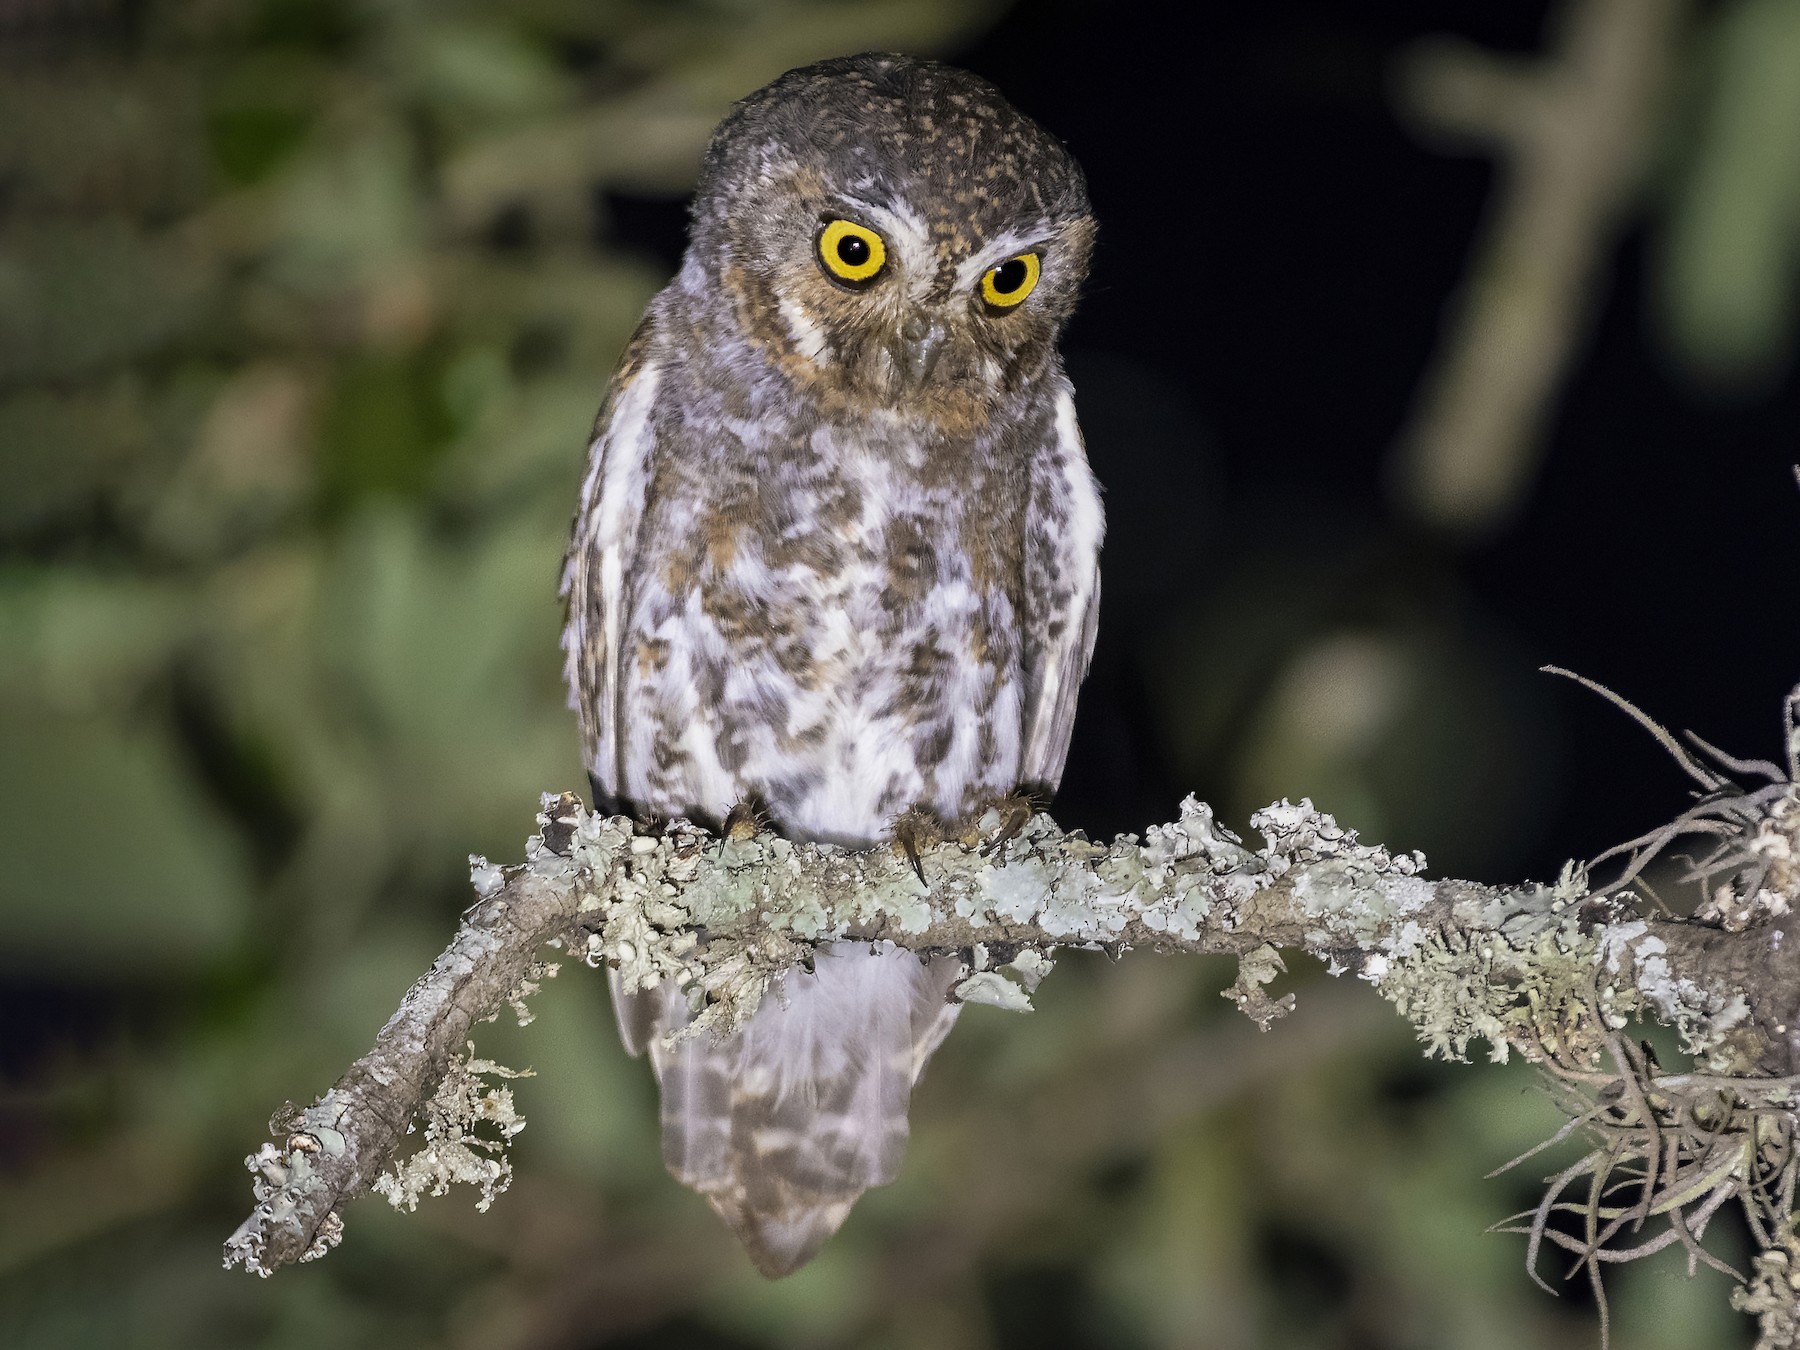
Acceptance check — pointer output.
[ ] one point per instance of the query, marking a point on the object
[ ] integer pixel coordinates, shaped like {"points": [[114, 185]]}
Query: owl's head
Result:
{"points": [[892, 233]]}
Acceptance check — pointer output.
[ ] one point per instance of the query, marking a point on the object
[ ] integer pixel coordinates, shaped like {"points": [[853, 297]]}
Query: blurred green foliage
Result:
{"points": [[1730, 275], [305, 307]]}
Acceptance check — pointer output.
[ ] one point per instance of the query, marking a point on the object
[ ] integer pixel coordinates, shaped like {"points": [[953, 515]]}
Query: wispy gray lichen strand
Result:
{"points": [[1542, 969]]}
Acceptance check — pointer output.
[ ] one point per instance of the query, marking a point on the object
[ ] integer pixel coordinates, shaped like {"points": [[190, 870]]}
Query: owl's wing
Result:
{"points": [[1063, 531], [784, 1124], [601, 548]]}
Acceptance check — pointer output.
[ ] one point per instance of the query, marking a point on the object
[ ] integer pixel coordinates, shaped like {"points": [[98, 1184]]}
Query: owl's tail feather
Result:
{"points": [[779, 1244], [783, 1125]]}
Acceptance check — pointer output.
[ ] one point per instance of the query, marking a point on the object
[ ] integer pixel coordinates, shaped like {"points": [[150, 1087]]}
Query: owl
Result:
{"points": [[836, 554]]}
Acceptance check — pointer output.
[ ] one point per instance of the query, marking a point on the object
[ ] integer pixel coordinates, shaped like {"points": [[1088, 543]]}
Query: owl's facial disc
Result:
{"points": [[893, 280], [906, 302]]}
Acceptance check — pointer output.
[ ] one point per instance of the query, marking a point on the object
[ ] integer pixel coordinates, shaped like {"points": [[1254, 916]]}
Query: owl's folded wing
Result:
{"points": [[601, 548], [1063, 531]]}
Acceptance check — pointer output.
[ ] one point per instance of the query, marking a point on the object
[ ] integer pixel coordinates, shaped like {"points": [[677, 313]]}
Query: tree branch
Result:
{"points": [[337, 1147], [1550, 971]]}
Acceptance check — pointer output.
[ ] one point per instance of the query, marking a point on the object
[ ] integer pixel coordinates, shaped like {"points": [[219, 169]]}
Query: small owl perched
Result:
{"points": [[837, 554]]}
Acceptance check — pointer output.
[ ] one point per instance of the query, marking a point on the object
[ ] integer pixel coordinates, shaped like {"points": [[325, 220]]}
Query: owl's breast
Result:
{"points": [[833, 638]]}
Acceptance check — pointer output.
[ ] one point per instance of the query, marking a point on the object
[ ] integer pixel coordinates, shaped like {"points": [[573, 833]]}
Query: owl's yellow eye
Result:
{"points": [[851, 252], [1009, 283]]}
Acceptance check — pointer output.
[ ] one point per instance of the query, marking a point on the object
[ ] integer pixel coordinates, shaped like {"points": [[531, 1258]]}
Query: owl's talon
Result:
{"points": [[1015, 811], [911, 830]]}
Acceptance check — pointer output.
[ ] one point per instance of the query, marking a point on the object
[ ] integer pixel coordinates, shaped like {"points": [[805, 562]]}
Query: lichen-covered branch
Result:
{"points": [[336, 1148], [1553, 972], [1546, 970]]}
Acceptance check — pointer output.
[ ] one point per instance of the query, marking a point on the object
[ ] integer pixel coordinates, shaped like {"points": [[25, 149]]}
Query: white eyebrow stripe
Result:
{"points": [[997, 250], [903, 230]]}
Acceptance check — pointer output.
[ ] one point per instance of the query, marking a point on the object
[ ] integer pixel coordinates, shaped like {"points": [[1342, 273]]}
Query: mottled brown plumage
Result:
{"points": [[836, 553]]}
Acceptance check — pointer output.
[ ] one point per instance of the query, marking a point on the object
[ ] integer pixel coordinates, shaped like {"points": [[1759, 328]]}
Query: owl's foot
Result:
{"points": [[915, 830], [995, 824]]}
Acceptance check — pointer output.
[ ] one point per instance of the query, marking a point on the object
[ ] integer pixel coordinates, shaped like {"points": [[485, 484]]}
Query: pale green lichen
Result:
{"points": [[1358, 894], [529, 984], [912, 914], [454, 1151], [485, 877], [1772, 1295], [1504, 966], [285, 1179], [761, 899], [807, 920], [1255, 970], [1030, 965], [994, 989], [1703, 1017], [1015, 893], [1300, 834], [1009, 986], [1169, 897], [1512, 965], [1449, 995], [1519, 971]]}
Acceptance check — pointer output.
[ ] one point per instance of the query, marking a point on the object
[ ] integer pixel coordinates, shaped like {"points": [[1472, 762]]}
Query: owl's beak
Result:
{"points": [[916, 350]]}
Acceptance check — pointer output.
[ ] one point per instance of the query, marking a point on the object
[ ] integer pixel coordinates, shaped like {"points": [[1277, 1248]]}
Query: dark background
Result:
{"points": [[1277, 252], [304, 310]]}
